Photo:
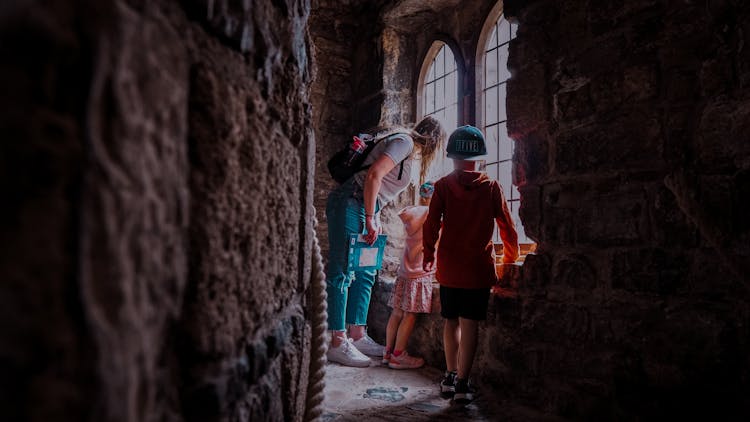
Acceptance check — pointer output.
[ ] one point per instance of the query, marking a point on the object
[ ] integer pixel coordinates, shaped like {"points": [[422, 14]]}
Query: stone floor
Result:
{"points": [[378, 393]]}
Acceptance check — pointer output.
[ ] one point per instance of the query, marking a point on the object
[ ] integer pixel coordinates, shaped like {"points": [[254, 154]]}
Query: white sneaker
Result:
{"points": [[368, 346], [348, 355]]}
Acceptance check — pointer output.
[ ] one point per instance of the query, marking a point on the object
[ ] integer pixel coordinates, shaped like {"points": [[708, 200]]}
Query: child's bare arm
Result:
{"points": [[431, 230]]}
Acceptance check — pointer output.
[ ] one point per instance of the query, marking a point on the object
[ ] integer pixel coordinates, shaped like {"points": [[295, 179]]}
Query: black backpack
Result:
{"points": [[341, 171]]}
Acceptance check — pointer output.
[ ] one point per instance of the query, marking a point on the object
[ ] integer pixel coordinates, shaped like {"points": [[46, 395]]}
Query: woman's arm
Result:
{"points": [[373, 179]]}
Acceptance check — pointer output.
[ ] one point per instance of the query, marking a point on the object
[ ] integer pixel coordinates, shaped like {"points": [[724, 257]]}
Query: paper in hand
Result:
{"points": [[363, 256]]}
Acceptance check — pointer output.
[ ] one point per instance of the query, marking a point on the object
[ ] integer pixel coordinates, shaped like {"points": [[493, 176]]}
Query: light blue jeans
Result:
{"points": [[348, 292]]}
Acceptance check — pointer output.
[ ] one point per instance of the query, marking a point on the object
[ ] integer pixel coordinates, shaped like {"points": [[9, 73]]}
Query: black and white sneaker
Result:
{"points": [[464, 391], [447, 384]]}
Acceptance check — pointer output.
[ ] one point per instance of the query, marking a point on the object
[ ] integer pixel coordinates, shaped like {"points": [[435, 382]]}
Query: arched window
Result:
{"points": [[492, 78], [438, 96]]}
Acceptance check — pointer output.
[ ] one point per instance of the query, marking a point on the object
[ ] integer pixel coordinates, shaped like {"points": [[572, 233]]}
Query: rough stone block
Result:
{"points": [[742, 56], [556, 323], [605, 16], [509, 275], [670, 226], [537, 12], [649, 270], [715, 196], [531, 210], [535, 272], [528, 102], [630, 140], [560, 202], [678, 134], [503, 315], [723, 134], [574, 103], [611, 220], [367, 110], [681, 86], [716, 77], [520, 52], [612, 91], [575, 272], [530, 158]]}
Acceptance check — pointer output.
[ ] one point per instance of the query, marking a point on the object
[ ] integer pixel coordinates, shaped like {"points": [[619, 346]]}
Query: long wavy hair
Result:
{"points": [[429, 135]]}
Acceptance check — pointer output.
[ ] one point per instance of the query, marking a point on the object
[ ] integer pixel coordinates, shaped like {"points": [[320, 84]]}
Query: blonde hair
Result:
{"points": [[429, 135]]}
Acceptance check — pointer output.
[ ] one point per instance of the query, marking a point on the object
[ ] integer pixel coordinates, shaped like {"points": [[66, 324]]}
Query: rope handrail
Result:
{"points": [[319, 344]]}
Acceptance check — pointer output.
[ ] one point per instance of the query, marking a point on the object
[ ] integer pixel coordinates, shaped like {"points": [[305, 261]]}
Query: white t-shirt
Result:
{"points": [[398, 147]]}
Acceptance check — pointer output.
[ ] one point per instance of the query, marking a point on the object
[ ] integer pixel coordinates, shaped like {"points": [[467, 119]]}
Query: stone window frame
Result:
{"points": [[486, 33], [460, 70]]}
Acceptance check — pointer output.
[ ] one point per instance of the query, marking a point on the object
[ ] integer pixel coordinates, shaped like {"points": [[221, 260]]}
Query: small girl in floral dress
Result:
{"points": [[412, 292]]}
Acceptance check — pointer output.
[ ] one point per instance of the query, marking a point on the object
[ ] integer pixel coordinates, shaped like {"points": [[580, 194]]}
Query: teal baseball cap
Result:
{"points": [[466, 143]]}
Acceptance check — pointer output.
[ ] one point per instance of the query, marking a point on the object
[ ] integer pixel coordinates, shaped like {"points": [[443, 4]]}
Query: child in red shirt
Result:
{"points": [[466, 204]]}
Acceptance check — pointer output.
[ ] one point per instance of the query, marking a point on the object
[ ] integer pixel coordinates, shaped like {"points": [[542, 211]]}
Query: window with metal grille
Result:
{"points": [[439, 97], [494, 77]]}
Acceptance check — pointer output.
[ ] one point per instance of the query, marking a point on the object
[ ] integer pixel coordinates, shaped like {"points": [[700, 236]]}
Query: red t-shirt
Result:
{"points": [[468, 204]]}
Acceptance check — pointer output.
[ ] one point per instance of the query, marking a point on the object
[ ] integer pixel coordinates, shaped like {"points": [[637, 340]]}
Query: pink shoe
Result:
{"points": [[386, 357], [404, 361]]}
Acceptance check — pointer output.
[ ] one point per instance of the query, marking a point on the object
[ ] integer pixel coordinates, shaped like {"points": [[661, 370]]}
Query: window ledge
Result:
{"points": [[508, 276]]}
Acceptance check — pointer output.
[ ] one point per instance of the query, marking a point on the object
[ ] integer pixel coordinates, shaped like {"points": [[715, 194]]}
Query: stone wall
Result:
{"points": [[332, 34], [632, 160], [156, 225], [158, 198]]}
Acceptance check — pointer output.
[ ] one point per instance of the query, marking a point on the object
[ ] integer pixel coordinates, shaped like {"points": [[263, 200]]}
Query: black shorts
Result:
{"points": [[464, 303]]}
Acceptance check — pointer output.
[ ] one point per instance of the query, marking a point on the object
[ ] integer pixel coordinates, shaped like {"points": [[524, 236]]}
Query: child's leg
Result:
{"points": [[451, 340], [392, 328], [404, 330], [469, 330]]}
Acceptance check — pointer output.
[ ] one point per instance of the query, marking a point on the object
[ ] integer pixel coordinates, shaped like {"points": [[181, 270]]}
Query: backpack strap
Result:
{"points": [[377, 141], [400, 170]]}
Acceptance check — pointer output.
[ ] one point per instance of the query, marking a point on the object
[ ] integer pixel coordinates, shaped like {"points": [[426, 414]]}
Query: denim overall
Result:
{"points": [[348, 292]]}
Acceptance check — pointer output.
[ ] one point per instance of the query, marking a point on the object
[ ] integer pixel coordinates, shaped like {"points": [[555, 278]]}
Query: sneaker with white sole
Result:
{"points": [[465, 392], [448, 383], [348, 355], [368, 346], [405, 361]]}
